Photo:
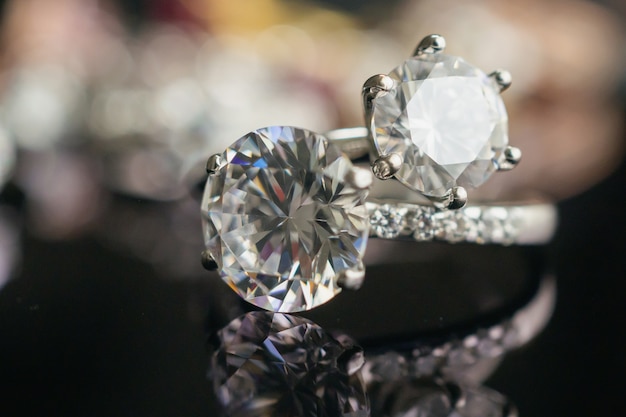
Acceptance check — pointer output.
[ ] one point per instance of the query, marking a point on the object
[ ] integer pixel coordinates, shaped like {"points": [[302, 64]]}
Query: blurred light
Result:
{"points": [[166, 235], [147, 171], [42, 106], [9, 244], [64, 197], [7, 157], [179, 104], [567, 59], [188, 100], [120, 112], [164, 54]]}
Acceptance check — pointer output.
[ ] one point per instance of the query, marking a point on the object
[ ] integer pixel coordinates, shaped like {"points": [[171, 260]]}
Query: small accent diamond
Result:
{"points": [[422, 223], [388, 221]]}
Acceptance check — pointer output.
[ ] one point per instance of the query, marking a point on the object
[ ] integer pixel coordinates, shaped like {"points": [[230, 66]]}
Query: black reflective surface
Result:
{"points": [[88, 330]]}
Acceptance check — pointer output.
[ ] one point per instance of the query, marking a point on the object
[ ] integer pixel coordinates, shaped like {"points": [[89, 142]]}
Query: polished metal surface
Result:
{"points": [[431, 44]]}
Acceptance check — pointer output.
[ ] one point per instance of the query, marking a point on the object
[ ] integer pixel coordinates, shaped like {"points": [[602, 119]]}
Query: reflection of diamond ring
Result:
{"points": [[285, 213], [455, 354]]}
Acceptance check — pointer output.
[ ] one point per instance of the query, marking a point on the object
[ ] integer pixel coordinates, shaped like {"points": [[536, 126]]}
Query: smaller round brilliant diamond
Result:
{"points": [[447, 121], [281, 220]]}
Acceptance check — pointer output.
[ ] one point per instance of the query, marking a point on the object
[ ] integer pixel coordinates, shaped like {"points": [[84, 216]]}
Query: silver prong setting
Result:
{"points": [[431, 44], [214, 163], [208, 262], [455, 198], [360, 178], [352, 279], [385, 166], [377, 86], [509, 159], [503, 78]]}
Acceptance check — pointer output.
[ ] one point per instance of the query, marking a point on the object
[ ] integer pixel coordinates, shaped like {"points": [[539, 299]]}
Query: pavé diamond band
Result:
{"points": [[528, 224], [286, 212]]}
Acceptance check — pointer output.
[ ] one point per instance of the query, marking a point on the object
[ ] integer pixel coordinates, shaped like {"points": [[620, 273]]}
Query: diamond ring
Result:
{"points": [[287, 218], [286, 212]]}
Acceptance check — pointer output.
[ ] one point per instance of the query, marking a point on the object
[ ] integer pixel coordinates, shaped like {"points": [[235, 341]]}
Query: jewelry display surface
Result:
{"points": [[266, 363], [108, 308]]}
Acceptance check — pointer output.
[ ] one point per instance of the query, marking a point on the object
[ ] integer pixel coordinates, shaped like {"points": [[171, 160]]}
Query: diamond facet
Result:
{"points": [[271, 364], [281, 221], [446, 119]]}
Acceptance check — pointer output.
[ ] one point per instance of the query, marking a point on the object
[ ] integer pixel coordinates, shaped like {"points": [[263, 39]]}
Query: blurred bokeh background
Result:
{"points": [[108, 109]]}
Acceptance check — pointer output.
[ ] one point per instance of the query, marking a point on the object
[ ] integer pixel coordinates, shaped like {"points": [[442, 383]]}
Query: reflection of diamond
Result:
{"points": [[447, 121], [271, 364], [281, 221], [434, 398]]}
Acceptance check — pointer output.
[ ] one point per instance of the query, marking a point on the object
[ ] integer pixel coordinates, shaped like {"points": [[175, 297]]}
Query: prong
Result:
{"points": [[377, 86], [503, 78], [352, 359], [351, 279], [208, 262], [214, 163], [431, 44], [387, 165], [509, 158], [360, 178], [457, 198], [454, 199]]}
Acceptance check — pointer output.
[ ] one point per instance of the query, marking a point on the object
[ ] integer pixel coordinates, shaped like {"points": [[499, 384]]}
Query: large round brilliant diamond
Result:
{"points": [[281, 221], [447, 121]]}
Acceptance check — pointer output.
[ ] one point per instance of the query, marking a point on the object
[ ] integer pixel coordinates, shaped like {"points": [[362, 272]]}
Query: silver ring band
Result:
{"points": [[352, 141]]}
